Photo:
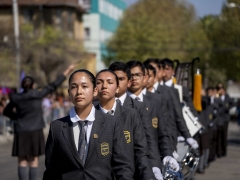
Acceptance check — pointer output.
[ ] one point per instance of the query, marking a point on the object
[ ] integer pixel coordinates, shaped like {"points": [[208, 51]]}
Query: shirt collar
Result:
{"points": [[133, 96], [169, 83], [153, 90], [155, 86], [106, 111], [122, 98], [144, 91], [75, 118], [161, 83]]}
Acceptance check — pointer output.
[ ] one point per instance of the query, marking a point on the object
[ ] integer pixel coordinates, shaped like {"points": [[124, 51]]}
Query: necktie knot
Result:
{"points": [[137, 98], [118, 101], [83, 123], [110, 112]]}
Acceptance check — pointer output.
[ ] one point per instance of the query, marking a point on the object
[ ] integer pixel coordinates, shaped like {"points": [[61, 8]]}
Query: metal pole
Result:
{"points": [[17, 43]]}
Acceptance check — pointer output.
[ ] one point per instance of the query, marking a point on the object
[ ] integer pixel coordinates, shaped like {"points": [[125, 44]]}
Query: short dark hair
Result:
{"points": [[209, 88], [133, 63], [108, 70], [149, 67], [167, 62], [120, 66], [152, 60], [90, 75], [27, 83]]}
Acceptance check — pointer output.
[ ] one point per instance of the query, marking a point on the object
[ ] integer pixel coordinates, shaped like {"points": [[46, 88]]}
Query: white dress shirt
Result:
{"points": [[223, 97], [106, 111], [76, 127], [133, 96], [169, 83], [155, 86], [144, 91], [122, 98]]}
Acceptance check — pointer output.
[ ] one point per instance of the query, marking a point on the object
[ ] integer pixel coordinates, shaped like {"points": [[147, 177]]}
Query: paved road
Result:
{"points": [[225, 168]]}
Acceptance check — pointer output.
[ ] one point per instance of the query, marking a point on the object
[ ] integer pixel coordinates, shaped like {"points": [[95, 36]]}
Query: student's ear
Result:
{"points": [[117, 89], [95, 92], [129, 83]]}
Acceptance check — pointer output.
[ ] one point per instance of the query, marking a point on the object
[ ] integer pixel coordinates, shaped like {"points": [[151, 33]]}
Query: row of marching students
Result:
{"points": [[124, 124], [215, 117]]}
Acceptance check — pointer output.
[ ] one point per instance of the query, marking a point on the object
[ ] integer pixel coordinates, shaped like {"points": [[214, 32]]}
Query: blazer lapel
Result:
{"points": [[69, 139], [128, 102], [96, 130]]}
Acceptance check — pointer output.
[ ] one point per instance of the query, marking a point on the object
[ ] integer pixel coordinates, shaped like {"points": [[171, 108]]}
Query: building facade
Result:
{"points": [[99, 25]]}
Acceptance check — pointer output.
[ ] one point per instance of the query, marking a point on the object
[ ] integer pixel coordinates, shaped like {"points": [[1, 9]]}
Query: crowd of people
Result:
{"points": [[125, 123]]}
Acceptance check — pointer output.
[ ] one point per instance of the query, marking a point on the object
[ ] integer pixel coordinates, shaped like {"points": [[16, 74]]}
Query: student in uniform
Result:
{"points": [[124, 77], [135, 92], [86, 144], [136, 144], [26, 109], [176, 120]]}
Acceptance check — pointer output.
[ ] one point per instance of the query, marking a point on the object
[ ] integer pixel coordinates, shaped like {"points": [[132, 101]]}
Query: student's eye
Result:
{"points": [[72, 87], [85, 86], [98, 82]]}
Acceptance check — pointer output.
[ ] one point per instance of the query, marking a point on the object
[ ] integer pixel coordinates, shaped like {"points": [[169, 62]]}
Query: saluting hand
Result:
{"points": [[69, 69]]}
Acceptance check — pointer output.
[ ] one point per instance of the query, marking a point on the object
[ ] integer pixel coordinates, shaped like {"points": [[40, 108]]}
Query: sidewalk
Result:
{"points": [[228, 167]]}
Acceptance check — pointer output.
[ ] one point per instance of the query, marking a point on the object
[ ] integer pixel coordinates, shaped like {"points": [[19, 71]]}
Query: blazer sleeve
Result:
{"points": [[150, 133], [50, 159], [141, 150], [51, 87], [8, 111], [181, 124], [164, 139], [121, 164]]}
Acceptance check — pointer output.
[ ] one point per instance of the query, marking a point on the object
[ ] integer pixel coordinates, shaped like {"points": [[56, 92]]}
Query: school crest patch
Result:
{"points": [[104, 149], [155, 122], [127, 136]]}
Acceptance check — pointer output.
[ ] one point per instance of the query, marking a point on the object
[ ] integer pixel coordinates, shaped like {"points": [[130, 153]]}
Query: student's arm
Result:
{"points": [[123, 166], [141, 149], [8, 111], [50, 160]]}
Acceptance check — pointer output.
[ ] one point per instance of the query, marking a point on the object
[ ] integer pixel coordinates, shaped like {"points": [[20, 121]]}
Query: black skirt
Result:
{"points": [[29, 143]]}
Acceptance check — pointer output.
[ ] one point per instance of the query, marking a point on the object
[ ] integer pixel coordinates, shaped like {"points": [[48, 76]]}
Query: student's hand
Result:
{"points": [[192, 142], [69, 69], [171, 162], [157, 173]]}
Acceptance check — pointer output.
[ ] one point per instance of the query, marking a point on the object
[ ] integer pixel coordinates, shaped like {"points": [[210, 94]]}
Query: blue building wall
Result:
{"points": [[106, 22]]}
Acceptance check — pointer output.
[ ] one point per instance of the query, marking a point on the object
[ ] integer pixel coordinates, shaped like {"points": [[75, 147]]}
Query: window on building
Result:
{"points": [[58, 17], [87, 33]]}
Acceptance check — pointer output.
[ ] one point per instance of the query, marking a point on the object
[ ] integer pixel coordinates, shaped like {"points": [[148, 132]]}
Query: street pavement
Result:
{"points": [[224, 168]]}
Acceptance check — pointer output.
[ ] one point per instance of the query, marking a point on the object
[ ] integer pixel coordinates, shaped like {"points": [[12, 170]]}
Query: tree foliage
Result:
{"points": [[159, 29]]}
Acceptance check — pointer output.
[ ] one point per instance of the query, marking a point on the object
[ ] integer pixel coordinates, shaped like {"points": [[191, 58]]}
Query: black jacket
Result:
{"points": [[135, 140], [28, 106], [106, 151]]}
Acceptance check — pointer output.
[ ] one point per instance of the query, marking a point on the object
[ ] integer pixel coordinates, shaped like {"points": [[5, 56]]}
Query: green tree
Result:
{"points": [[159, 29]]}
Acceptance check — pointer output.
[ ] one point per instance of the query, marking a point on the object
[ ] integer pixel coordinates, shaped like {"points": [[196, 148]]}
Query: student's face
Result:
{"points": [[81, 91], [123, 82], [151, 79], [168, 73], [136, 79], [210, 92], [106, 85], [145, 79]]}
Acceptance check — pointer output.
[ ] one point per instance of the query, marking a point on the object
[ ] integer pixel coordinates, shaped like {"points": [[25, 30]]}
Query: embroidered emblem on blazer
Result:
{"points": [[146, 108], [127, 136], [155, 122], [227, 105], [104, 149], [210, 116]]}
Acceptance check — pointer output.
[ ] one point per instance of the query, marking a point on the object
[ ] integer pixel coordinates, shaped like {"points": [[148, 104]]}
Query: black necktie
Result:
{"points": [[118, 101], [137, 98], [110, 112], [82, 141]]}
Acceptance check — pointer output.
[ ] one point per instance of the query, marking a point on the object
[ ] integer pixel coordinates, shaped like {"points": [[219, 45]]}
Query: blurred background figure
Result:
{"points": [[26, 109]]}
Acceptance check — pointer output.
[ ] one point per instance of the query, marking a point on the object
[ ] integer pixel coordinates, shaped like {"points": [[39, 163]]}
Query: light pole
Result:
{"points": [[17, 42]]}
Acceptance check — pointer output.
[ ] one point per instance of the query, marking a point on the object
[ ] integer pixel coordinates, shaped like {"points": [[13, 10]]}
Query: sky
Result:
{"points": [[203, 7]]}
